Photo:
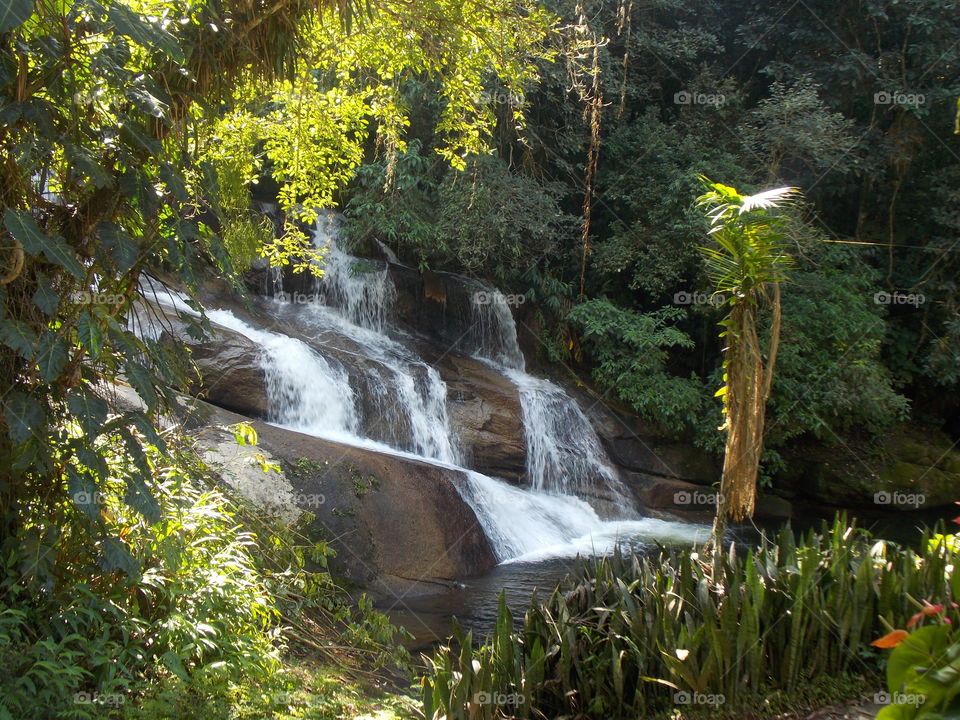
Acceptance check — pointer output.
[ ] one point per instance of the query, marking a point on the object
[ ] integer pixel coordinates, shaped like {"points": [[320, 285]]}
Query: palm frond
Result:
{"points": [[776, 197]]}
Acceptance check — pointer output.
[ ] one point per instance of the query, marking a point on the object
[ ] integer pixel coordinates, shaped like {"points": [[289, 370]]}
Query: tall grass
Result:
{"points": [[633, 636]]}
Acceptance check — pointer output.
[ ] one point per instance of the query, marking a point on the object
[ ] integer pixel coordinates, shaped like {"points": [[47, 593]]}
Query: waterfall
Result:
{"points": [[564, 454], [337, 367], [361, 290], [494, 331], [305, 390]]}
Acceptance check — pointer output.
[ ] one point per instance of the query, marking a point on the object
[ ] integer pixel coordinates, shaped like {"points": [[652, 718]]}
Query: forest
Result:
{"points": [[479, 359]]}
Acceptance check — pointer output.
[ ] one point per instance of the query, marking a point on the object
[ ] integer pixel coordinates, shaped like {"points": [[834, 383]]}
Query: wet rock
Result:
{"points": [[226, 368], [637, 447], [395, 523], [485, 415]]}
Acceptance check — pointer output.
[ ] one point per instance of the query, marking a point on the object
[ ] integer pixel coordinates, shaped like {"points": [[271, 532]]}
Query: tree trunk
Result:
{"points": [[747, 389]]}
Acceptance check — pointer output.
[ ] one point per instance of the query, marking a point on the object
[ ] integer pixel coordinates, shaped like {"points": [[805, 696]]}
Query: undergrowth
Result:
{"points": [[194, 613], [784, 626]]}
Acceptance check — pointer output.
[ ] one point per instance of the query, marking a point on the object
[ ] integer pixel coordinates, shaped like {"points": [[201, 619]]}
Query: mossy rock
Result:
{"points": [[914, 468]]}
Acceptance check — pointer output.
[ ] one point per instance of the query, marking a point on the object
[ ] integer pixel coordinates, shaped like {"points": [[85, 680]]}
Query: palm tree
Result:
{"points": [[746, 265]]}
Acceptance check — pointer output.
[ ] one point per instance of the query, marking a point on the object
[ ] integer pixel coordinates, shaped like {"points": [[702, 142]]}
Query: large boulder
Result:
{"points": [[226, 368], [396, 524], [485, 414]]}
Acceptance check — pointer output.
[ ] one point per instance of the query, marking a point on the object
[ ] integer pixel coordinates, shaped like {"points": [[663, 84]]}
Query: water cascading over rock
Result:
{"points": [[564, 454], [339, 366]]}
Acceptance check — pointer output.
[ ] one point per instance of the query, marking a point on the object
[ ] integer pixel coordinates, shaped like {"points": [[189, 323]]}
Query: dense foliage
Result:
{"points": [[854, 104], [191, 606], [129, 135], [639, 636]]}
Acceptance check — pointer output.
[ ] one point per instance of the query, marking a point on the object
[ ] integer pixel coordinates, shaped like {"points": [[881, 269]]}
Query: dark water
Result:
{"points": [[473, 604]]}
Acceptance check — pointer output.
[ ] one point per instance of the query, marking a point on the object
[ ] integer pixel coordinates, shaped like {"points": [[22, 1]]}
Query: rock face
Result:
{"points": [[485, 414], [396, 524], [436, 304], [637, 448], [228, 371], [916, 469]]}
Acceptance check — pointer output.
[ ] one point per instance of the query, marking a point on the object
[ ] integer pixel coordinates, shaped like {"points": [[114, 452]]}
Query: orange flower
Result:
{"points": [[891, 640], [924, 612]]}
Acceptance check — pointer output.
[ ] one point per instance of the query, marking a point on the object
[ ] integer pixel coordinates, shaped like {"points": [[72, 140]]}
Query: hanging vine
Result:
{"points": [[587, 83]]}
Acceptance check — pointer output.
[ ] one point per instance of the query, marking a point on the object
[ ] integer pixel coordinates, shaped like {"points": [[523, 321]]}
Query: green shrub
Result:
{"points": [[102, 618], [626, 633]]}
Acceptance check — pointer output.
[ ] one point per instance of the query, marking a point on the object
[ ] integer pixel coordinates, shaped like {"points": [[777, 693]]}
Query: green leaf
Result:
{"points": [[143, 423], [84, 160], [917, 651], [44, 297], [115, 556], [14, 13], [142, 381], [174, 182], [93, 461], [136, 452], [90, 334], [139, 497], [146, 34], [51, 356], [84, 492], [25, 416], [244, 434], [146, 102], [15, 334], [175, 665], [122, 248], [25, 229], [897, 712], [89, 409]]}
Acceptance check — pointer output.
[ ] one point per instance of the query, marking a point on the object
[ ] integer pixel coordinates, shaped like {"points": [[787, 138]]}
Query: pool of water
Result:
{"points": [[472, 603]]}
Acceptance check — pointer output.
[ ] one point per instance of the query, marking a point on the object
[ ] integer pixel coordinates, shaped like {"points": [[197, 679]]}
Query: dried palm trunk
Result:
{"points": [[747, 389]]}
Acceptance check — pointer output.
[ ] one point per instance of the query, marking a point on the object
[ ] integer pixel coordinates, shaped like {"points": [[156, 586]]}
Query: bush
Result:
{"points": [[627, 634], [189, 605], [632, 352]]}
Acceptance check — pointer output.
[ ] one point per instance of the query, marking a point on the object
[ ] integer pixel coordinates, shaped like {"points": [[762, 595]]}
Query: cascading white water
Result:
{"points": [[361, 292], [528, 526], [305, 390], [564, 455], [391, 401], [494, 331]]}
